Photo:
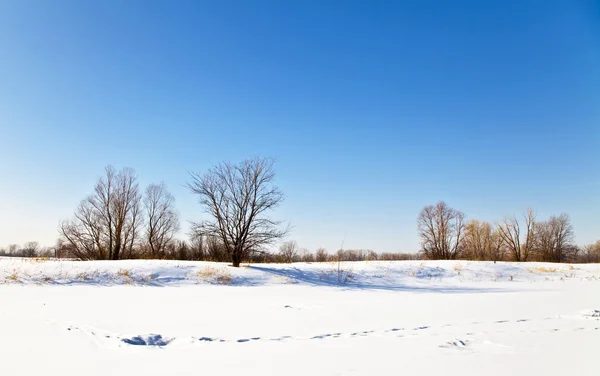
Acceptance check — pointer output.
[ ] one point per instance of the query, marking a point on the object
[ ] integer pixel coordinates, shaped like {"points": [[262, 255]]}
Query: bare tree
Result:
{"points": [[215, 249], [198, 248], [520, 246], [305, 255], [477, 240], [554, 239], [106, 224], [591, 252], [162, 219], [321, 255], [441, 229], [13, 249], [497, 246], [564, 247], [238, 198], [544, 241], [289, 251], [30, 249]]}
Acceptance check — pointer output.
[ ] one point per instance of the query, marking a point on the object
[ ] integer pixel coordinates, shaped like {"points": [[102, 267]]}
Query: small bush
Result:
{"points": [[207, 273]]}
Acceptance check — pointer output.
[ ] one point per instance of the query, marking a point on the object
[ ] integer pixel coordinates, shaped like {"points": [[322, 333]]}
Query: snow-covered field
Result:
{"points": [[368, 318]]}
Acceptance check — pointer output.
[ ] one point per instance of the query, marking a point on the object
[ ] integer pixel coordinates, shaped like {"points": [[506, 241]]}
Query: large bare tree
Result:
{"points": [[519, 241], [162, 219], [106, 223], [238, 197], [441, 229]]}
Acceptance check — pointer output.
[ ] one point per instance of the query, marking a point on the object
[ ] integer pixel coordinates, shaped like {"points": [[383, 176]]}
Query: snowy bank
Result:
{"points": [[366, 274]]}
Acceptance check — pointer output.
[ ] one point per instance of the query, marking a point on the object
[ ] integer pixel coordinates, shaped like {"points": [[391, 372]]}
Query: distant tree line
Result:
{"points": [[120, 221], [446, 235], [29, 249]]}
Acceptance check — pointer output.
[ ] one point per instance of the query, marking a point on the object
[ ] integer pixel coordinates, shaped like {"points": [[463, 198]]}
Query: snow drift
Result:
{"points": [[384, 318]]}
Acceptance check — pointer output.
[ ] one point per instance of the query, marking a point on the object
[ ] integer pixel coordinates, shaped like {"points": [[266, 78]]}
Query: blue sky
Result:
{"points": [[373, 109]]}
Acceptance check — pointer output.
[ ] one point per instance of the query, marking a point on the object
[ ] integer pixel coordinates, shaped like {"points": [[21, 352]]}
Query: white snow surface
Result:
{"points": [[357, 318]]}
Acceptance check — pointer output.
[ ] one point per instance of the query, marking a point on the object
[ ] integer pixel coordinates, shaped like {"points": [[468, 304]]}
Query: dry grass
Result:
{"points": [[124, 273], [340, 271], [541, 269], [410, 272], [13, 277], [215, 275], [126, 276], [207, 273]]}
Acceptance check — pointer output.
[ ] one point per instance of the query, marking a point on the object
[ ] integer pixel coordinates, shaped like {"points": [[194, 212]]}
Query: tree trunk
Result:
{"points": [[117, 252], [235, 259]]}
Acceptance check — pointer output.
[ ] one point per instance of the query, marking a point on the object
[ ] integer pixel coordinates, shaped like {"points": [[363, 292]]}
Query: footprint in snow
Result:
{"points": [[248, 339], [456, 344], [281, 338], [150, 340], [322, 336]]}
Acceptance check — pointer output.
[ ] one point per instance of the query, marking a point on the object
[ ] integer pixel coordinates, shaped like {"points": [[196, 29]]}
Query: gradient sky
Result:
{"points": [[373, 109]]}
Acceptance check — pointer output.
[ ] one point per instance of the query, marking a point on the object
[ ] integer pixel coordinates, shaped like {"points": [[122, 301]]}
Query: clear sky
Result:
{"points": [[373, 109]]}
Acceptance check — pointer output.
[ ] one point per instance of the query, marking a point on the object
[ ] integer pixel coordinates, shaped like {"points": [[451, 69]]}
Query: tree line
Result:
{"points": [[445, 234], [119, 220]]}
